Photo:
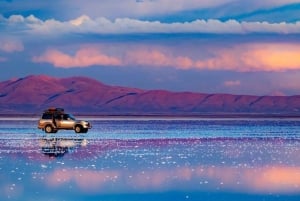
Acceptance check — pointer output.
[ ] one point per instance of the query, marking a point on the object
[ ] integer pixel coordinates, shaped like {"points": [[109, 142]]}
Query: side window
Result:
{"points": [[47, 116], [58, 116]]}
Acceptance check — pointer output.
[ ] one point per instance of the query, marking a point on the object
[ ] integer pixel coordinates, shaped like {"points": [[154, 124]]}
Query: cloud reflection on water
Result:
{"points": [[68, 166], [268, 179]]}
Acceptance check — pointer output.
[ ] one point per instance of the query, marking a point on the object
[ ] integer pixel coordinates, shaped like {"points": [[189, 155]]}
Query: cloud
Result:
{"points": [[277, 93], [3, 59], [80, 20], [86, 25], [242, 58], [272, 57], [255, 57], [232, 83], [126, 25], [83, 57], [90, 56], [156, 58], [11, 45]]}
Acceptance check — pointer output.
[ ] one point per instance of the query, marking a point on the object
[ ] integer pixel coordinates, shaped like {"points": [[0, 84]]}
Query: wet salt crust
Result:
{"points": [[147, 159]]}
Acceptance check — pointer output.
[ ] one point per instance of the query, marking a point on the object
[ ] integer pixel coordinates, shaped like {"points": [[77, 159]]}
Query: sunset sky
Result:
{"points": [[211, 46]]}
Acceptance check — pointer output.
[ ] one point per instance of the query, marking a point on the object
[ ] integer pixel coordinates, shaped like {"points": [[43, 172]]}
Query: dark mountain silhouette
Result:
{"points": [[83, 95]]}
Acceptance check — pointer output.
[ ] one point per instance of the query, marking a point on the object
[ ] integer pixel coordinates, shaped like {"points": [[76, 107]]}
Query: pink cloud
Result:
{"points": [[241, 58], [157, 58], [147, 58], [84, 57], [277, 93], [2, 59], [274, 57], [11, 45], [232, 83], [255, 57]]}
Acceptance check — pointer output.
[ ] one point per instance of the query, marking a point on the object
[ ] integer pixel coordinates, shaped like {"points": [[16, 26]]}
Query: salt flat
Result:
{"points": [[163, 159]]}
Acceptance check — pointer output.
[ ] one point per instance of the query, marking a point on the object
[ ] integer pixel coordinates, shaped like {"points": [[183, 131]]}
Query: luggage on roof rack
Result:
{"points": [[55, 110]]}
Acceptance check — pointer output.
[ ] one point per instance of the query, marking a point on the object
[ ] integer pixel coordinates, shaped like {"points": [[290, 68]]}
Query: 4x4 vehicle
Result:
{"points": [[55, 119]]}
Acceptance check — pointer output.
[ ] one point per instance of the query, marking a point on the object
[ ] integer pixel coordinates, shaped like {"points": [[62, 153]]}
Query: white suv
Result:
{"points": [[55, 119]]}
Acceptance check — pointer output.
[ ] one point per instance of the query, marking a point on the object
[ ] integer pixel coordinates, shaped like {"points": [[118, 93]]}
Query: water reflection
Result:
{"points": [[261, 180], [59, 146], [254, 166], [153, 161], [195, 169]]}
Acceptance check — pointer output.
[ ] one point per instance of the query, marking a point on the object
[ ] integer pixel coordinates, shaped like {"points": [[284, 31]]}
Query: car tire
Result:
{"points": [[49, 129], [78, 129]]}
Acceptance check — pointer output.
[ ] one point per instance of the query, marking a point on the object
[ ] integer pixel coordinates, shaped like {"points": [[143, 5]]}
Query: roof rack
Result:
{"points": [[55, 110]]}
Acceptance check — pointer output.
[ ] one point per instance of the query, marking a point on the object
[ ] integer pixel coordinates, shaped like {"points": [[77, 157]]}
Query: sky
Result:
{"points": [[209, 46]]}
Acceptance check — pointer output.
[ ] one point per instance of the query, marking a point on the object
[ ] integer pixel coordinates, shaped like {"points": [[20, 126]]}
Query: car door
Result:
{"points": [[66, 122]]}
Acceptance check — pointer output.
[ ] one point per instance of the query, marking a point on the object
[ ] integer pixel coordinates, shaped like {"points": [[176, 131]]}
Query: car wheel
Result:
{"points": [[48, 129], [78, 129]]}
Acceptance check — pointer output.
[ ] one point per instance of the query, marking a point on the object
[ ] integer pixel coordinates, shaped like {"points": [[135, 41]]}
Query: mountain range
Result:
{"points": [[82, 95]]}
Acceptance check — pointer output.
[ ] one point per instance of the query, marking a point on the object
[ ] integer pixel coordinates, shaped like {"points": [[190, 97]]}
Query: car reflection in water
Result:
{"points": [[59, 146]]}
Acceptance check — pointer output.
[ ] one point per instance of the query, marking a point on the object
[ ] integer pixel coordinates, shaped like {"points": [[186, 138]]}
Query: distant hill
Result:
{"points": [[83, 95]]}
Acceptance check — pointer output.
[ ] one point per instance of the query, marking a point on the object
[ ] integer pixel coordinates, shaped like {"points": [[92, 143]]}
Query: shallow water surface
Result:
{"points": [[148, 159]]}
